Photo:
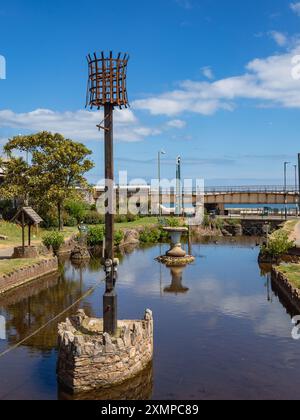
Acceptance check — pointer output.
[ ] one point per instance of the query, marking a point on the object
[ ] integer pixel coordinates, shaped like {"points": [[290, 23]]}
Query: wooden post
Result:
{"points": [[29, 234], [110, 297], [23, 233]]}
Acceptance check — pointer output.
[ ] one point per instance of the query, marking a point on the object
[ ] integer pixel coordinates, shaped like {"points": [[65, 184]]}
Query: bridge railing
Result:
{"points": [[252, 189]]}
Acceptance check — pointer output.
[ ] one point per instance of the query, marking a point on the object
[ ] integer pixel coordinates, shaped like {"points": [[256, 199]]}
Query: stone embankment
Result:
{"points": [[26, 274], [291, 293]]}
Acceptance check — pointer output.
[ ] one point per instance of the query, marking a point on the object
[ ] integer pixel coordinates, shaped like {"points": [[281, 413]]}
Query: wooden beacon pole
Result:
{"points": [[110, 297], [107, 89]]}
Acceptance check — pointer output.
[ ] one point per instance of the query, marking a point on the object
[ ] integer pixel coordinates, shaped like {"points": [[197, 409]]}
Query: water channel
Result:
{"points": [[221, 329]]}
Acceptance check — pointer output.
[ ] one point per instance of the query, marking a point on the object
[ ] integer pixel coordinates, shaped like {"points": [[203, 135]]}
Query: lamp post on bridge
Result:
{"points": [[160, 153], [285, 189], [296, 190], [178, 207]]}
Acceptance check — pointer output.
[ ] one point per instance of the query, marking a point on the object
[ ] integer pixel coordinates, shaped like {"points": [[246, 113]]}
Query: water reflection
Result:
{"points": [[176, 286], [138, 388], [29, 308]]}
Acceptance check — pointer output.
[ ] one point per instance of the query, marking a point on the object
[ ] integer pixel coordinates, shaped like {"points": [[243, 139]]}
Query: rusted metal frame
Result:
{"points": [[123, 80], [111, 78], [96, 71], [104, 78]]}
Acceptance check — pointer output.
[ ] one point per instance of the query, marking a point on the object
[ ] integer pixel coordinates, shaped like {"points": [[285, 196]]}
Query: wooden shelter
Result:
{"points": [[26, 216]]}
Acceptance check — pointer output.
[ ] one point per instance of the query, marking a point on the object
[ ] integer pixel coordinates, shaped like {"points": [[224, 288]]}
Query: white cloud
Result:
{"points": [[176, 124], [295, 8], [78, 125], [208, 73], [268, 81], [280, 38]]}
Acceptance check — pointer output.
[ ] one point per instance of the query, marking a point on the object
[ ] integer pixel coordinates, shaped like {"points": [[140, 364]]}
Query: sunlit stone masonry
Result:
{"points": [[90, 359]]}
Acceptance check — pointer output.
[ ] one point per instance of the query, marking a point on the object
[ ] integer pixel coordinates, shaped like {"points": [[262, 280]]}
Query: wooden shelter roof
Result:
{"points": [[30, 214]]}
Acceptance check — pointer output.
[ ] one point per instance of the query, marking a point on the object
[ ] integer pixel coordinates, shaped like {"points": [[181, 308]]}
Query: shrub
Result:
{"points": [[132, 217], [95, 236], [76, 209], [93, 218], [279, 244], [121, 218], [70, 221], [119, 236], [218, 223], [150, 235], [173, 222], [54, 240], [206, 221]]}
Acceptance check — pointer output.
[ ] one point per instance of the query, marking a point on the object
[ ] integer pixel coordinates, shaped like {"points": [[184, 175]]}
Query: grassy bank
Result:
{"points": [[14, 234], [9, 266], [145, 221], [292, 272]]}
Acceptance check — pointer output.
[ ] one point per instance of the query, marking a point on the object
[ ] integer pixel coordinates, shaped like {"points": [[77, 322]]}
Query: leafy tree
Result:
{"points": [[54, 174]]}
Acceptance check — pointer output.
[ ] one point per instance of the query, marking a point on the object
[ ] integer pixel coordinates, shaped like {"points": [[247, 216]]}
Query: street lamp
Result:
{"points": [[160, 153], [285, 188], [178, 187], [296, 189]]}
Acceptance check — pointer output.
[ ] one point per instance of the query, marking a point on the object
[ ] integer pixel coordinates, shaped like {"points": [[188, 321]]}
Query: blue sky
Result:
{"points": [[208, 79]]}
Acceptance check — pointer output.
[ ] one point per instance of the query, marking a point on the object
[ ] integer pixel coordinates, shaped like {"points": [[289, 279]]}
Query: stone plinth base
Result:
{"points": [[90, 359], [29, 252], [138, 388], [80, 253], [176, 261]]}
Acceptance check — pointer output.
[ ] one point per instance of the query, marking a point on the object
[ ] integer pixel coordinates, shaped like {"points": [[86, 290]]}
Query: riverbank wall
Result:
{"points": [[290, 293], [26, 274]]}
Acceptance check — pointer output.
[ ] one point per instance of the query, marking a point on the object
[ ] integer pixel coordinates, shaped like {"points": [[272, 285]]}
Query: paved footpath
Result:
{"points": [[6, 252], [297, 235]]}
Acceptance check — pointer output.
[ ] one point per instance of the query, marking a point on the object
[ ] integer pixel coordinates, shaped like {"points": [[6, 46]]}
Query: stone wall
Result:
{"points": [[24, 275], [290, 292], [90, 359], [138, 388]]}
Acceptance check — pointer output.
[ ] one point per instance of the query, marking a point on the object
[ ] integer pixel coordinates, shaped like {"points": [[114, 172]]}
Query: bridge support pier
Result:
{"points": [[221, 209]]}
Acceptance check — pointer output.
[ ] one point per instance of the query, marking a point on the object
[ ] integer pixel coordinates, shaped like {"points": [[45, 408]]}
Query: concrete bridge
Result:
{"points": [[250, 195], [216, 198]]}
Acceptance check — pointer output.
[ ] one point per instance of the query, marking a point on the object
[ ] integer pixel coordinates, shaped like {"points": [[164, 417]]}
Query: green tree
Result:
{"points": [[54, 174]]}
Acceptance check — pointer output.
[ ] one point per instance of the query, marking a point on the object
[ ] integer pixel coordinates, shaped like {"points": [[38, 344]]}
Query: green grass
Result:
{"points": [[287, 227], [292, 272], [9, 266], [14, 234], [145, 221]]}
